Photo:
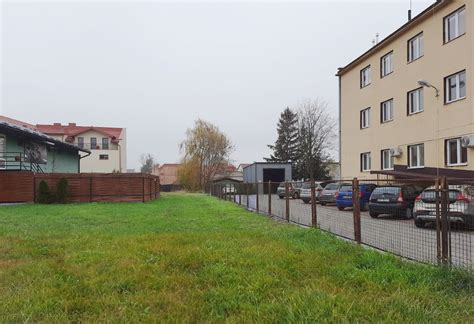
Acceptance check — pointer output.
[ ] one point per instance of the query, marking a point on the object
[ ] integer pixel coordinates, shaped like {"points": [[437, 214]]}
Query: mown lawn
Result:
{"points": [[193, 258]]}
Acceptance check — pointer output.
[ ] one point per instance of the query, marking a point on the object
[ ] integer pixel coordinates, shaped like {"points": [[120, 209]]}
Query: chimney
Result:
{"points": [[57, 124], [409, 15], [72, 124]]}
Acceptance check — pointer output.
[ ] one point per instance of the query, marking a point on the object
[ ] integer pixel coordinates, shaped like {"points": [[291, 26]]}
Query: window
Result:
{"points": [[455, 25], [415, 101], [386, 64], [455, 87], [365, 118], [93, 143], [80, 142], [386, 111], [455, 153], [415, 47], [365, 162], [416, 156], [103, 157], [387, 160], [105, 143], [365, 77]]}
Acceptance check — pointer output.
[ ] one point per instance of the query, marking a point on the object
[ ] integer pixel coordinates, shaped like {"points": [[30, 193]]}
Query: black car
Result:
{"points": [[397, 200]]}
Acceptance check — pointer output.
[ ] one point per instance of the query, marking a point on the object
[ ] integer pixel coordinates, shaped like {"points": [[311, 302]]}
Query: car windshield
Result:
{"points": [[346, 188], [431, 195], [387, 190], [332, 186]]}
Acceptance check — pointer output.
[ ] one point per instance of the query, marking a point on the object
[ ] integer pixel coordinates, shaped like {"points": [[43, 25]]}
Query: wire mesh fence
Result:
{"points": [[427, 220]]}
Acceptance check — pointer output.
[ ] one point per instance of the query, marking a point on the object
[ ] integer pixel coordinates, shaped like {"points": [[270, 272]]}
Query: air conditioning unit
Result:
{"points": [[396, 151], [3, 164], [467, 140]]}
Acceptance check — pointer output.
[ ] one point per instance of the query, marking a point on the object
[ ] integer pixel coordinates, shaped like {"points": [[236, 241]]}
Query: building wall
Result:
{"points": [[254, 173], [59, 161], [168, 173], [439, 60], [93, 163]]}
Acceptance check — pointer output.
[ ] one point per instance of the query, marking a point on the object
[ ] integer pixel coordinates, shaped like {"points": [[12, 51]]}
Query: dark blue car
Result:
{"points": [[344, 198]]}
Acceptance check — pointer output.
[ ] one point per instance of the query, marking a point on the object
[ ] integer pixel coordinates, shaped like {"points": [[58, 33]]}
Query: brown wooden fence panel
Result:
{"points": [[16, 187], [83, 187]]}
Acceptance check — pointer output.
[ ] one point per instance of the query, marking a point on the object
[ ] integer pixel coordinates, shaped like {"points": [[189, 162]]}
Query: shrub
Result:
{"points": [[44, 194], [61, 191]]}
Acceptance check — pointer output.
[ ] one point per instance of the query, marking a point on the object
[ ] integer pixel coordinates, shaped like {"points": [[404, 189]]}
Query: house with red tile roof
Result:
{"points": [[108, 145]]}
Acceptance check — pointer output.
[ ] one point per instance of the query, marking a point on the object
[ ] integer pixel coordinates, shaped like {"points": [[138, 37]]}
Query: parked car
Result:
{"points": [[330, 192], [305, 193], [294, 190], [397, 200], [344, 197], [460, 208]]}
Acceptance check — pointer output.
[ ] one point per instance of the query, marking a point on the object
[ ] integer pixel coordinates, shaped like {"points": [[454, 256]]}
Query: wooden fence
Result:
{"points": [[82, 187]]}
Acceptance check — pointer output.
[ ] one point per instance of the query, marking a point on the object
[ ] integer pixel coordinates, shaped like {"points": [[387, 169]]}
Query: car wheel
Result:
{"points": [[306, 201], [340, 208], [419, 223], [297, 195], [281, 197], [409, 213], [373, 215], [323, 204]]}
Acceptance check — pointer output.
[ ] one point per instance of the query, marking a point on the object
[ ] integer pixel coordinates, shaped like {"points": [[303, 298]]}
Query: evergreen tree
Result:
{"points": [[286, 145]]}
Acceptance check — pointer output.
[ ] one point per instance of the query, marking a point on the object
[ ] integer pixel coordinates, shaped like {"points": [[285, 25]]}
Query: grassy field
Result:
{"points": [[193, 258]]}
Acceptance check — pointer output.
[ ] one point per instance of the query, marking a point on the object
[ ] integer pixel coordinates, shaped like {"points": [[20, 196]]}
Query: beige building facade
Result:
{"points": [[391, 122], [108, 145]]}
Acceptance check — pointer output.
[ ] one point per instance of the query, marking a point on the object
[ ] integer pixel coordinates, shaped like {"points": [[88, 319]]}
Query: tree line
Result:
{"points": [[305, 138]]}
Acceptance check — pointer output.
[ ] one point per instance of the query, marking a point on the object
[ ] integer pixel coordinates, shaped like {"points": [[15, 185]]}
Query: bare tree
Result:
{"points": [[208, 148], [147, 162], [316, 138]]}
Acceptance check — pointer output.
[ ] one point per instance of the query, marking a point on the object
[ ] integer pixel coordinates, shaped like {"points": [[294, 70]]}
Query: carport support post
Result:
{"points": [[314, 216], [247, 194], [287, 201], [240, 194], [356, 210], [444, 222], [256, 195], [269, 198]]}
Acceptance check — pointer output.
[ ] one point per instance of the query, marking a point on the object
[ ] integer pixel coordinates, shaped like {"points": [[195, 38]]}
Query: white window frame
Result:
{"points": [[365, 79], [457, 79], [417, 105], [386, 64], [365, 118], [365, 162], [416, 47], [458, 152], [386, 109], [391, 160], [420, 148], [459, 25]]}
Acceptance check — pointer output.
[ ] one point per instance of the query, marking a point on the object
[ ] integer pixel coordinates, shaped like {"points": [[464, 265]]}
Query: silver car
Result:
{"points": [[305, 193], [460, 210], [330, 192]]}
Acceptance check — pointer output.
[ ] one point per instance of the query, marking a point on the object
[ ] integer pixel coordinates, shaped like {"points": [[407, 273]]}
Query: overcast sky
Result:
{"points": [[155, 67]]}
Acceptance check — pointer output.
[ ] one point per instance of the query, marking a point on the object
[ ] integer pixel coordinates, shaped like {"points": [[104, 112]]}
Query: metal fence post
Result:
{"points": [[444, 221], [257, 198], [287, 201], [269, 198], [356, 210], [438, 219], [314, 216]]}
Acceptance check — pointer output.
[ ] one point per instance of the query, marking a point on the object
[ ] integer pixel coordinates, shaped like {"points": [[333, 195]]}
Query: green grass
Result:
{"points": [[193, 258]]}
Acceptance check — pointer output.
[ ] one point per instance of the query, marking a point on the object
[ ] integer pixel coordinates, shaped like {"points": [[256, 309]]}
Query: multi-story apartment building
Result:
{"points": [[406, 106], [108, 145]]}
